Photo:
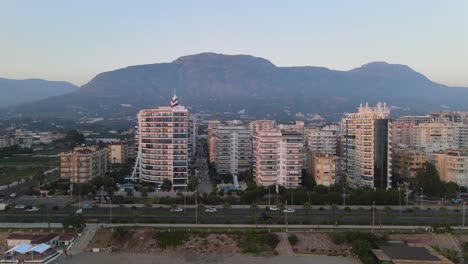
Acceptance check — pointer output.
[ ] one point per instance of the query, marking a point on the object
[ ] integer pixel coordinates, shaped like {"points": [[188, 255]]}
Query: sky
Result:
{"points": [[75, 40]]}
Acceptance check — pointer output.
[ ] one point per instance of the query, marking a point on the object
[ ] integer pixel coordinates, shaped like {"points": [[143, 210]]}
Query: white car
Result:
{"points": [[79, 211], [211, 210], [19, 206], [274, 208], [289, 211], [33, 209], [177, 210], [12, 195]]}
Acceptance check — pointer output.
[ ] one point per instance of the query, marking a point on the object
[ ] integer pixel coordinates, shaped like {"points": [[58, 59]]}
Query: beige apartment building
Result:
{"points": [[118, 153], [322, 140], [406, 162], [277, 158], [440, 136], [212, 125], [452, 166], [403, 129], [323, 168], [162, 138], [262, 125], [367, 143], [83, 164]]}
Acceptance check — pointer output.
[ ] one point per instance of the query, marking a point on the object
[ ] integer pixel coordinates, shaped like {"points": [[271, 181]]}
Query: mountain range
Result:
{"points": [[229, 83]]}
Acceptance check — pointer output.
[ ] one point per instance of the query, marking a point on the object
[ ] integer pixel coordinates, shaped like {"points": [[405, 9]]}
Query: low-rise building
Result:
{"points": [[6, 141], [406, 162], [83, 164], [452, 166]]}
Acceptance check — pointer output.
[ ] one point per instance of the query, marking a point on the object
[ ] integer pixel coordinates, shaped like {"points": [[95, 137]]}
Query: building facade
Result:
{"points": [[233, 150], [367, 147], [83, 164], [452, 166], [323, 168], [440, 136], [406, 162], [277, 158], [118, 153], [322, 140], [163, 145], [403, 129], [212, 126]]}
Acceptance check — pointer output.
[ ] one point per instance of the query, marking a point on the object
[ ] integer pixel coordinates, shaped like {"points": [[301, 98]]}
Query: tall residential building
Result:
{"points": [[212, 125], [163, 145], [403, 129], [406, 162], [440, 136], [367, 147], [192, 138], [278, 158], [262, 125], [118, 153], [83, 164], [233, 150], [323, 168], [452, 166], [6, 141], [457, 117], [322, 140]]}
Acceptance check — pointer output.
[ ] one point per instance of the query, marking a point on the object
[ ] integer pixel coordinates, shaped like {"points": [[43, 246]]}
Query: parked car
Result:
{"points": [[274, 208], [19, 206], [13, 195], [289, 211], [177, 209], [79, 211], [456, 200], [33, 209], [211, 210]]}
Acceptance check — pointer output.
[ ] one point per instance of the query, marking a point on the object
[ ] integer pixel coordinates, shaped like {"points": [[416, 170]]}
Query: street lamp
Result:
{"points": [[422, 195], [399, 198], [373, 214], [463, 223]]}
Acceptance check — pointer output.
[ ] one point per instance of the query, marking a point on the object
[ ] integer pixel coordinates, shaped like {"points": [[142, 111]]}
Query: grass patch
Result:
{"points": [[258, 242], [9, 175], [171, 239]]}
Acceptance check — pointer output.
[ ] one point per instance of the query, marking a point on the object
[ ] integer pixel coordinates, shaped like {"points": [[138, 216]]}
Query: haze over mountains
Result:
{"points": [[21, 91], [217, 82]]}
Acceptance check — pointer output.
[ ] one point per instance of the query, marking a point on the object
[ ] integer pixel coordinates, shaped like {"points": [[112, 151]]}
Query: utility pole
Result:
{"points": [[269, 197], [286, 216], [344, 197], [110, 211], [422, 195], [373, 214], [463, 224], [399, 198], [196, 205]]}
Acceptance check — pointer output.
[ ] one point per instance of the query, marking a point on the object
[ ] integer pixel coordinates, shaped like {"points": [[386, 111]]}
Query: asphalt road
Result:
{"points": [[204, 184]]}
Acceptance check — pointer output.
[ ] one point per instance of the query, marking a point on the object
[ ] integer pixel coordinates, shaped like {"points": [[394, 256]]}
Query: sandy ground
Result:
{"points": [[132, 258]]}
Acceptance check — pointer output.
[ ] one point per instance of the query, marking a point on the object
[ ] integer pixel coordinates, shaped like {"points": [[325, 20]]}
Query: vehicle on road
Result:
{"points": [[456, 201], [19, 206], [176, 210], [211, 210], [87, 206], [274, 208], [289, 211], [79, 211], [13, 195], [32, 209]]}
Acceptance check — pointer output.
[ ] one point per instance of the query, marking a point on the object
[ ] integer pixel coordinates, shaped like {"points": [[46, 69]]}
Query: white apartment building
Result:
{"points": [[212, 125], [278, 158], [162, 138], [440, 136], [6, 141], [403, 129], [233, 150], [322, 140], [262, 125], [367, 147], [83, 164], [452, 166]]}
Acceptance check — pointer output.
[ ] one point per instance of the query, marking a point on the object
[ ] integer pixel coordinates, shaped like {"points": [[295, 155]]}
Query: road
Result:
{"points": [[204, 183]]}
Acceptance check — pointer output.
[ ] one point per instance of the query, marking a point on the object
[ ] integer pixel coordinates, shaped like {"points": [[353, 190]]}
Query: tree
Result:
{"points": [[450, 190], [361, 247], [74, 221], [144, 192], [75, 138], [192, 184], [307, 207], [428, 179], [129, 192], [166, 185]]}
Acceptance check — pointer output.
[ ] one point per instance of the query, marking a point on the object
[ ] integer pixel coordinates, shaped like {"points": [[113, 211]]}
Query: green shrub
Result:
{"points": [[121, 232], [258, 242], [293, 239], [171, 239]]}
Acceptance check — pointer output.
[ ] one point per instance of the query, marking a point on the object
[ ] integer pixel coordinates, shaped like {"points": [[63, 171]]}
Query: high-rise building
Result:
{"points": [[367, 147], [452, 166], [6, 141], [212, 125], [233, 150], [262, 125], [440, 136], [322, 140], [118, 153], [83, 164], [403, 129], [278, 158], [163, 145], [457, 117], [192, 138]]}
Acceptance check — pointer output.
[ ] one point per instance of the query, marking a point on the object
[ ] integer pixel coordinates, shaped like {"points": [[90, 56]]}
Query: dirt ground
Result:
{"points": [[317, 243]]}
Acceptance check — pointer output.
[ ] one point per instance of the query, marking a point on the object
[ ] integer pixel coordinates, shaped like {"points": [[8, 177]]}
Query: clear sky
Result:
{"points": [[75, 40]]}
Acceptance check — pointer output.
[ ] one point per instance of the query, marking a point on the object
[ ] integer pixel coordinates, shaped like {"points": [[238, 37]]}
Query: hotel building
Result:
{"points": [[83, 164]]}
